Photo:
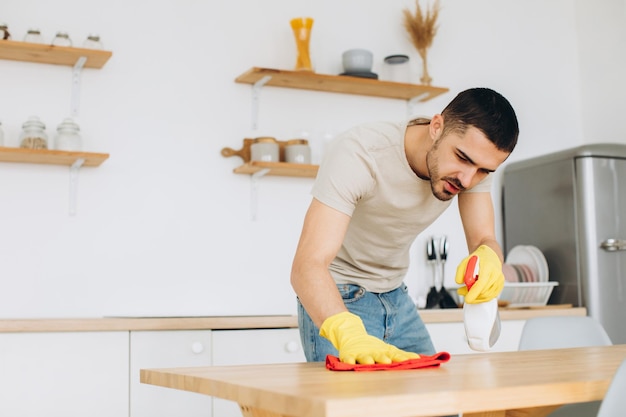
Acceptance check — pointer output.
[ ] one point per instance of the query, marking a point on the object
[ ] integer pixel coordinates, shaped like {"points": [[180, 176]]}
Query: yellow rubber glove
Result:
{"points": [[490, 276], [347, 333]]}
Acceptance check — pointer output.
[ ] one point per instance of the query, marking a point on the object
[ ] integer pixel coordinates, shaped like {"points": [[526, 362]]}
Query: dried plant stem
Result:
{"points": [[422, 29]]}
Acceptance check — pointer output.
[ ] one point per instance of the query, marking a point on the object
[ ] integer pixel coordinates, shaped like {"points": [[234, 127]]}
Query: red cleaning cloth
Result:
{"points": [[334, 364]]}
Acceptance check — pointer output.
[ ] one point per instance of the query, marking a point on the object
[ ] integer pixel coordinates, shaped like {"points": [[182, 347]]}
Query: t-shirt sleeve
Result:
{"points": [[482, 187], [345, 174]]}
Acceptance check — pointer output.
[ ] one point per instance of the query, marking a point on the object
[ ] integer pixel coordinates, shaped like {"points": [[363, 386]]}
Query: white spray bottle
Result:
{"points": [[481, 320]]}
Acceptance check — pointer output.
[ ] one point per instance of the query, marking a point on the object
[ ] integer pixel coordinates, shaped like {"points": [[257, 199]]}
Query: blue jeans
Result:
{"points": [[390, 316]]}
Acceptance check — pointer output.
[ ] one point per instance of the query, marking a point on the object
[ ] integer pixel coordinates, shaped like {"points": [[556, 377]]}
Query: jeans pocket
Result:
{"points": [[351, 293]]}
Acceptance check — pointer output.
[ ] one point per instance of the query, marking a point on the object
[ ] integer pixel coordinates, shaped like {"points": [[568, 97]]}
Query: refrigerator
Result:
{"points": [[571, 205]]}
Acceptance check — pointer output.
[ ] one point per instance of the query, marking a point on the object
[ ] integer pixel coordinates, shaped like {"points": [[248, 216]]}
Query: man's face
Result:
{"points": [[459, 161]]}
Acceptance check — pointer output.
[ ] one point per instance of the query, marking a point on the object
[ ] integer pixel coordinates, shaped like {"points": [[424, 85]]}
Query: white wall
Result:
{"points": [[163, 227]]}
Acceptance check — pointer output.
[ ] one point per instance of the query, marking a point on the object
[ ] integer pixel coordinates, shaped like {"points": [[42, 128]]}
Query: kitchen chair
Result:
{"points": [[562, 332], [614, 402], [565, 332]]}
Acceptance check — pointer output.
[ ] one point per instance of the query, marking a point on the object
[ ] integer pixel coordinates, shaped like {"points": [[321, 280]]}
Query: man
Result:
{"points": [[379, 186]]}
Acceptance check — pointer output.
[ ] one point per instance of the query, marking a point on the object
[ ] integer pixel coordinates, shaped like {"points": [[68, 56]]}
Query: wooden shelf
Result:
{"points": [[282, 169], [340, 84], [48, 54], [51, 157]]}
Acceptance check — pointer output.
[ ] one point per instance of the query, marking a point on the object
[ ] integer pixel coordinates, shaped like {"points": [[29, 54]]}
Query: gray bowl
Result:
{"points": [[357, 60]]}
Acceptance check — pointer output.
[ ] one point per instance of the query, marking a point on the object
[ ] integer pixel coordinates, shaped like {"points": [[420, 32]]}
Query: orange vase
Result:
{"points": [[302, 32]]}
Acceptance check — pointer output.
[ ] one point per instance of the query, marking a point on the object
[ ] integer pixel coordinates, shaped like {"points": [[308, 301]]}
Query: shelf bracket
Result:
{"points": [[78, 66], [254, 191], [256, 92], [74, 184], [410, 104]]}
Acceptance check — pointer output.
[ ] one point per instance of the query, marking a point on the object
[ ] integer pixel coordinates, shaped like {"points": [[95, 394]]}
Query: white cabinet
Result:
{"points": [[167, 349], [72, 374], [450, 337], [243, 347]]}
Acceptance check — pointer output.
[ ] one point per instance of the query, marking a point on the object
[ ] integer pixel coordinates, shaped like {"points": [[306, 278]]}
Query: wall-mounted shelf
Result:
{"points": [[51, 157], [339, 84], [48, 54], [282, 169]]}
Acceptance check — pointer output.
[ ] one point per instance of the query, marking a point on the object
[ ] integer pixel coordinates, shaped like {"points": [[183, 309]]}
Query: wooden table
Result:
{"points": [[524, 383]]}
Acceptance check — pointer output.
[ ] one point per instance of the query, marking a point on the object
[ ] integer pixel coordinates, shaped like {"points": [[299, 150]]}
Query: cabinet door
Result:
{"points": [[245, 347], [72, 374], [167, 349], [450, 337]]}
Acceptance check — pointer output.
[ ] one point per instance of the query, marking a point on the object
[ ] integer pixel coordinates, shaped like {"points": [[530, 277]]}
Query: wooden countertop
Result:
{"points": [[495, 384], [240, 322]]}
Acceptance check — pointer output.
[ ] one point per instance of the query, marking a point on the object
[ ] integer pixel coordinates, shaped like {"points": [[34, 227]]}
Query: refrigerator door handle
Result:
{"points": [[612, 245]]}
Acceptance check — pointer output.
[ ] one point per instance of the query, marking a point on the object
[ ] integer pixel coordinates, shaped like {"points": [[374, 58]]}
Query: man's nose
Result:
{"points": [[467, 176]]}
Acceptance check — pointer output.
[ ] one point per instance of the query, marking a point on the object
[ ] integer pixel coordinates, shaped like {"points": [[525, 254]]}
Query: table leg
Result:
{"points": [[257, 412]]}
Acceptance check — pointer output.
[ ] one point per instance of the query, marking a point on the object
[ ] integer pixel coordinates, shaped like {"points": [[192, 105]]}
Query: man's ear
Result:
{"points": [[436, 127]]}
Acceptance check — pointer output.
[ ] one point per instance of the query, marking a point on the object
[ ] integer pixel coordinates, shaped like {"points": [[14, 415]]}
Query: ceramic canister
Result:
{"points": [[298, 151], [265, 149]]}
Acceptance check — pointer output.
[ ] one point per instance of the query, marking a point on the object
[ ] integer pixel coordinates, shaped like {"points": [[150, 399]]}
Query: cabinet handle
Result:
{"points": [[197, 347], [292, 347], [612, 245]]}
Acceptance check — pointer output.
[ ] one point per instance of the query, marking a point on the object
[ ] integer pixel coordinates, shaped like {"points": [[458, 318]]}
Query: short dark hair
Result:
{"points": [[485, 110]]}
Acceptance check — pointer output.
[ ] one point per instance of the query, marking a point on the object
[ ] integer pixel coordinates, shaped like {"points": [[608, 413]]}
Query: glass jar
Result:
{"points": [[93, 42], [298, 151], [68, 137], [397, 68], [33, 134], [4, 31], [265, 149], [33, 36], [62, 39], [1, 135]]}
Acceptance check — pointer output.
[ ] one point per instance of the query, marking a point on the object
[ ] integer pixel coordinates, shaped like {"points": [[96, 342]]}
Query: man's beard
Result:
{"points": [[432, 163]]}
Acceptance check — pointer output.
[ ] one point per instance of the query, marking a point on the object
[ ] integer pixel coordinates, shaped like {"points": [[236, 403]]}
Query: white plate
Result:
{"points": [[521, 255], [541, 262]]}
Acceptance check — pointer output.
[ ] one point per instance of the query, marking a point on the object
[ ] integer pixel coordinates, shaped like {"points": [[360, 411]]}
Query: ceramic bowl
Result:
{"points": [[357, 60]]}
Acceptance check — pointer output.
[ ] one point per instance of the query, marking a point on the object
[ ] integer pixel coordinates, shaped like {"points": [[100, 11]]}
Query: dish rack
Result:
{"points": [[526, 294]]}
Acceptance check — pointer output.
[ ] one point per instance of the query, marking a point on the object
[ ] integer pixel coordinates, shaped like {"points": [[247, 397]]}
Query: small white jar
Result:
{"points": [[68, 136], [298, 151], [265, 149]]}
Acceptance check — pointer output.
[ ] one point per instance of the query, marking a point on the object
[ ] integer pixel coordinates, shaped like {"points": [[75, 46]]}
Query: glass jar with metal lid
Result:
{"points": [[298, 151], [68, 136], [265, 149], [33, 134], [62, 39], [33, 35]]}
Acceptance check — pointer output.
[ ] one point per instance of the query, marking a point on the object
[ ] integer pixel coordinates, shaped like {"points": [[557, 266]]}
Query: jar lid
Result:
{"points": [[93, 37], [33, 121], [297, 142], [68, 123], [265, 139], [396, 59], [62, 35], [34, 31]]}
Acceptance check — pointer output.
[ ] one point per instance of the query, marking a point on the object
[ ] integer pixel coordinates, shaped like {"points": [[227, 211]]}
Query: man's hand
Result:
{"points": [[347, 333], [490, 277]]}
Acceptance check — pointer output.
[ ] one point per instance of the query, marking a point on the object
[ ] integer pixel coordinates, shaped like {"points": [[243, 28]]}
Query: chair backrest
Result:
{"points": [[614, 402], [562, 332]]}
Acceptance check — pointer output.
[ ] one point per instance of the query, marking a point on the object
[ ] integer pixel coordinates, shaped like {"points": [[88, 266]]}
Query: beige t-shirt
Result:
{"points": [[365, 174]]}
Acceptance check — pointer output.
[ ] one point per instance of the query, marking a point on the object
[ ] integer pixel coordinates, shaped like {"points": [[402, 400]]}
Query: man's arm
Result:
{"points": [[322, 235], [477, 215], [476, 210]]}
